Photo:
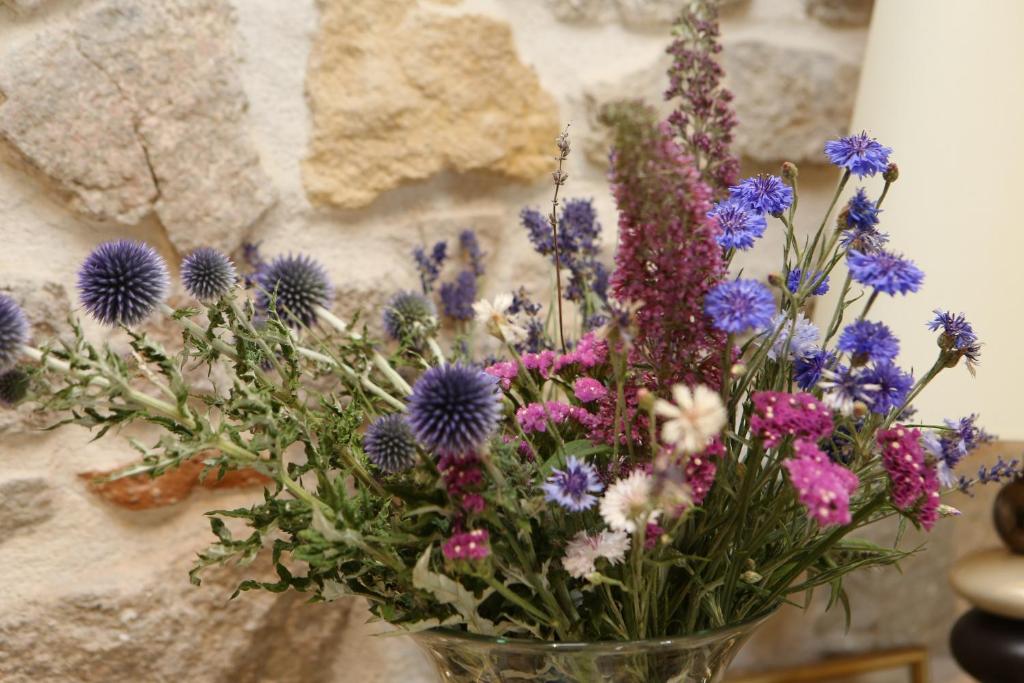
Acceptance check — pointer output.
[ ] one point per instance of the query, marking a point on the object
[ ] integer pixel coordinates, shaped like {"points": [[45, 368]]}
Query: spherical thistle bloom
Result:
{"points": [[13, 331], [454, 408], [885, 272], [583, 551], [867, 341], [628, 502], [778, 415], [471, 545], [693, 418], [796, 278], [295, 285], [860, 154], [793, 338], [808, 368], [822, 486], [845, 387], [409, 316], [588, 389], [13, 386], [120, 283], [574, 486], [890, 387], [740, 306], [739, 225], [389, 444], [208, 274], [763, 194]]}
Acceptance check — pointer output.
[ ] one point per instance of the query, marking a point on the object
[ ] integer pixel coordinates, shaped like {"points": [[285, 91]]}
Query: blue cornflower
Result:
{"points": [[740, 225], [792, 341], [470, 247], [389, 444], [957, 334], [845, 387], [120, 283], [867, 341], [885, 271], [890, 386], [208, 274], [429, 265], [861, 212], [13, 331], [808, 368], [764, 194], [296, 285], [572, 488], [740, 306], [454, 408], [952, 445], [409, 316], [795, 277], [863, 156], [457, 297]]}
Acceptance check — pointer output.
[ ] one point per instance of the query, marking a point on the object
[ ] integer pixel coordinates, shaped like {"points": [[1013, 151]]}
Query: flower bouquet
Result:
{"points": [[618, 486]]}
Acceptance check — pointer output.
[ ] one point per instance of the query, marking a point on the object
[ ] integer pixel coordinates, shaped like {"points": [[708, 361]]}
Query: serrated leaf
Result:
{"points": [[448, 591]]}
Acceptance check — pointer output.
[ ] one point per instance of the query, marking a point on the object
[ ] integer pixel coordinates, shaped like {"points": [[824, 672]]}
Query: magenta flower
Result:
{"points": [[822, 486], [505, 371], [472, 545], [778, 415], [701, 469], [914, 483], [588, 389]]}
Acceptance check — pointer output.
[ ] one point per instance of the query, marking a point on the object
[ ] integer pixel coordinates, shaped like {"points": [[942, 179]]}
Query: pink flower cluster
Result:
{"points": [[914, 482], [471, 545], [588, 353], [823, 486], [463, 479], [534, 418], [505, 371], [778, 415], [588, 389], [701, 469]]}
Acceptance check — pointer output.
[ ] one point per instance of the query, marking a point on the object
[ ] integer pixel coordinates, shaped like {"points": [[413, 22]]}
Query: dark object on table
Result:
{"points": [[1009, 516], [988, 647]]}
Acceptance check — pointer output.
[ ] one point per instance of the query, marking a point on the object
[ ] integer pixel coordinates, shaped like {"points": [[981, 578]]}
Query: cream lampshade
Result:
{"points": [[943, 85]]}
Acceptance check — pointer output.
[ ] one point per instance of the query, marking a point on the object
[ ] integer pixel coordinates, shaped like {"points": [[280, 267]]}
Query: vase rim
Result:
{"points": [[669, 642]]}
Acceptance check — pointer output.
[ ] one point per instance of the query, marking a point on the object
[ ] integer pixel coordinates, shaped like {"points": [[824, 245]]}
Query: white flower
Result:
{"points": [[494, 316], [628, 501], [694, 419], [799, 339], [583, 551]]}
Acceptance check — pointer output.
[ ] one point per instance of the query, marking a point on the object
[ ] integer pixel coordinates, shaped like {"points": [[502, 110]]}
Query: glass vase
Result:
{"points": [[702, 658]]}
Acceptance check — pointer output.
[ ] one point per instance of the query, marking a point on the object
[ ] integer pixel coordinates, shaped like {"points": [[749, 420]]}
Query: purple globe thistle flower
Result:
{"points": [[764, 194], [740, 225], [454, 408], [863, 156], [13, 386], [13, 331], [740, 306], [295, 285], [389, 444], [885, 272], [409, 316], [208, 274], [809, 367], [120, 283], [845, 387], [572, 488], [457, 297], [889, 387], [957, 335], [792, 340], [796, 277], [867, 341]]}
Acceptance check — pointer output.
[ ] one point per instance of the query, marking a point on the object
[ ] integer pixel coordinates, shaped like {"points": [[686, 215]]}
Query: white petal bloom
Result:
{"points": [[693, 419], [494, 316], [583, 550], [628, 501]]}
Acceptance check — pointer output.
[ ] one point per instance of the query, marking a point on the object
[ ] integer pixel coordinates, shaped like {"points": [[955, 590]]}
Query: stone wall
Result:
{"points": [[337, 127]]}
